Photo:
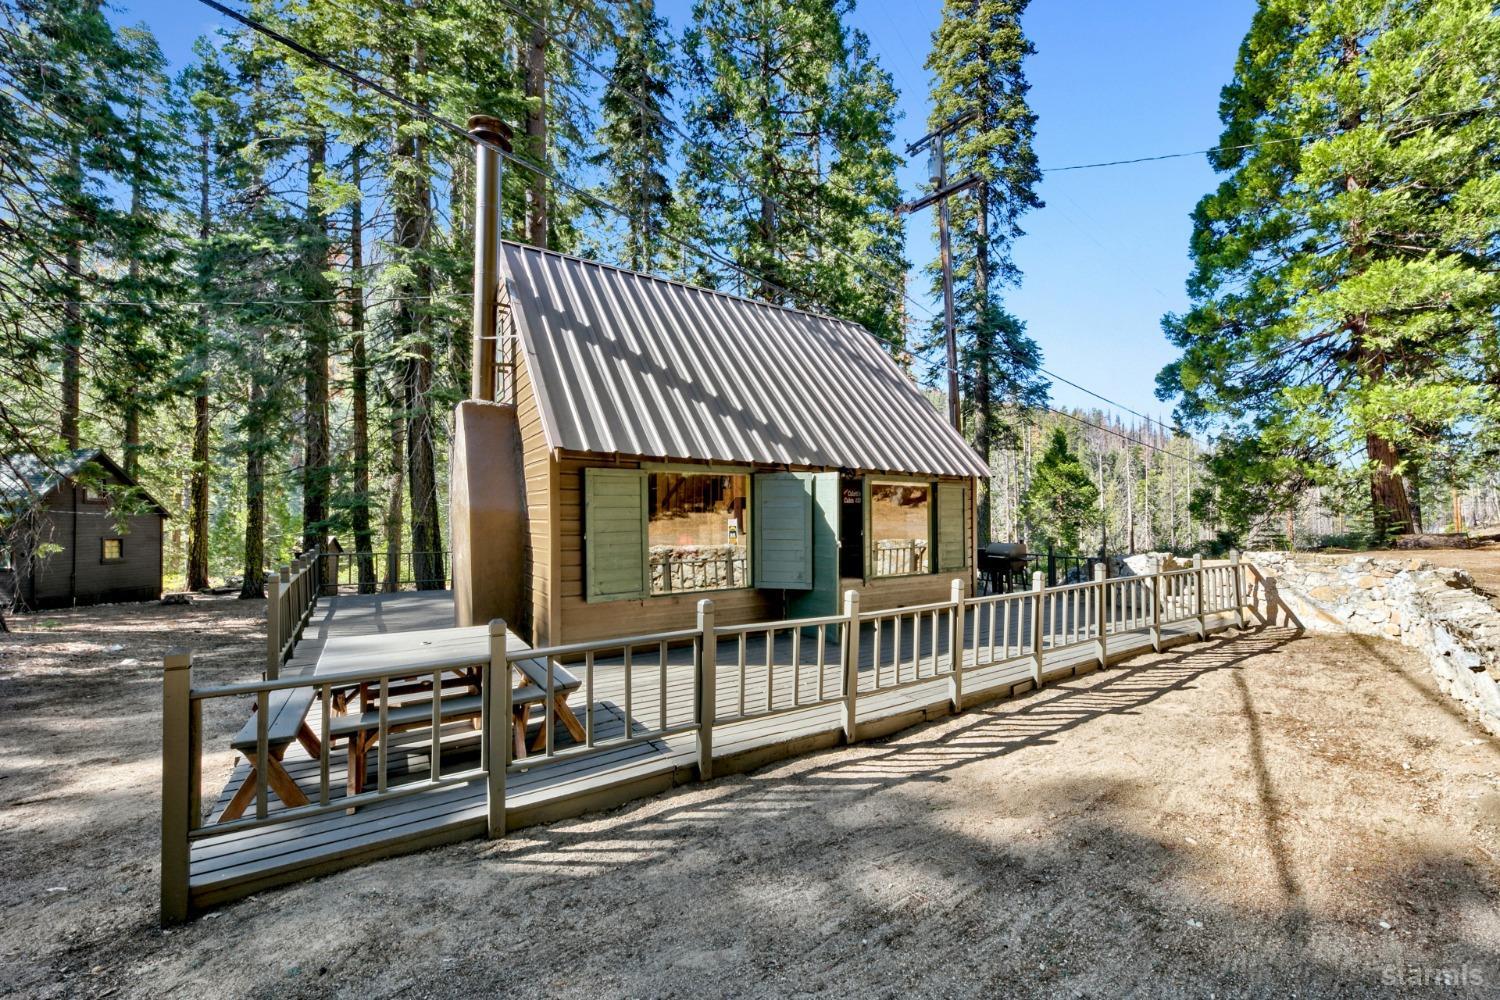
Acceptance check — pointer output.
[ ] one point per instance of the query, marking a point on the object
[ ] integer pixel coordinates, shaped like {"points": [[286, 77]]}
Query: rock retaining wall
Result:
{"points": [[1429, 608]]}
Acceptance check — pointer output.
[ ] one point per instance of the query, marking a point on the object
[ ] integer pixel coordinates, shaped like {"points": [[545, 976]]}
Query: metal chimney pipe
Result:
{"points": [[491, 133]]}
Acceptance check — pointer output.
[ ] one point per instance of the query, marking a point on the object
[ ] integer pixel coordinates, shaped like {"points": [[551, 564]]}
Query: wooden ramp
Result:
{"points": [[236, 863]]}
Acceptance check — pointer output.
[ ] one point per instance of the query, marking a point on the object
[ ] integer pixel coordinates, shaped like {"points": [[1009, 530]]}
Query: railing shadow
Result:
{"points": [[867, 769]]}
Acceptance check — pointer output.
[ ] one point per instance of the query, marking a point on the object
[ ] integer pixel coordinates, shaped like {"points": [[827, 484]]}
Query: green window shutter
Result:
{"points": [[614, 520], [782, 531], [952, 525]]}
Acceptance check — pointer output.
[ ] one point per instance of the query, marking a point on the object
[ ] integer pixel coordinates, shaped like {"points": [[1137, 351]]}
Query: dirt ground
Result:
{"points": [[1482, 563], [1253, 815]]}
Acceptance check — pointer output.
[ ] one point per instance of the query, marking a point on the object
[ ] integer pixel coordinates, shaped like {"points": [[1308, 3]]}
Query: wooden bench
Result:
{"points": [[564, 683], [362, 729], [287, 711]]}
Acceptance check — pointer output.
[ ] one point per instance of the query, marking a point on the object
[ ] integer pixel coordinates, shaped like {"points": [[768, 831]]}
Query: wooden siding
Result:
{"points": [[538, 547], [59, 581], [576, 619]]}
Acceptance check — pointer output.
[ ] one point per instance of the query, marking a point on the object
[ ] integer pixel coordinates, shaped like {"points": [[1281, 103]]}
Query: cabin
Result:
{"points": [[78, 530], [638, 444]]}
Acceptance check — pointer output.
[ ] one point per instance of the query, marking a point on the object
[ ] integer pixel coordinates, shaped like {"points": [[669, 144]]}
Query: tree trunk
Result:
{"points": [[72, 340], [360, 387], [318, 334], [393, 504], [412, 200], [536, 125], [254, 584], [197, 562], [133, 403], [1390, 507], [984, 347]]}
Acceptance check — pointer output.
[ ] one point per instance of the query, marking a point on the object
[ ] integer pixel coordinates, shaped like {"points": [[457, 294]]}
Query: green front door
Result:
{"points": [[823, 598]]}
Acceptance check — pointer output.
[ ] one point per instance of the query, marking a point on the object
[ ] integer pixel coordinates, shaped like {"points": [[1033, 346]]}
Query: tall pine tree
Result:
{"points": [[977, 60], [635, 140], [1345, 279]]}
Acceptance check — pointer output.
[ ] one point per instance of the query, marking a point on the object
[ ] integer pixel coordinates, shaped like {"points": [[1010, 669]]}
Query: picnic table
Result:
{"points": [[417, 655], [409, 703]]}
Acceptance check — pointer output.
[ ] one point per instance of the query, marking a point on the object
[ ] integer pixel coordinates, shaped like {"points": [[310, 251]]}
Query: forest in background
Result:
{"points": [[248, 278]]}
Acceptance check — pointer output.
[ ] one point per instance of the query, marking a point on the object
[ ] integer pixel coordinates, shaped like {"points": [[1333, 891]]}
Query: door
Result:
{"points": [[823, 598]]}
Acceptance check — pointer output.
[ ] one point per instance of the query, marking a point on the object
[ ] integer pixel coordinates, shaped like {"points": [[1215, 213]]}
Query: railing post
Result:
{"points": [[956, 647], [497, 727], [1239, 589], [328, 574], [287, 613], [1101, 592], [179, 776], [708, 651], [273, 626], [851, 662], [1156, 581], [1039, 592], [1198, 596]]}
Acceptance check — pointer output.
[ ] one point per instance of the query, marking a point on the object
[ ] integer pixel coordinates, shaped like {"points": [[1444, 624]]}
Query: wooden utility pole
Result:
{"points": [[937, 168]]}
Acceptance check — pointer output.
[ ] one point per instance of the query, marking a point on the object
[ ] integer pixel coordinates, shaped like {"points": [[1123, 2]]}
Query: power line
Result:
{"points": [[1262, 142], [1121, 406], [455, 128]]}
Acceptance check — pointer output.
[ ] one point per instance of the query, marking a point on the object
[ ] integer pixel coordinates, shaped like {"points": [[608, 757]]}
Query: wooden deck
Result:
{"points": [[234, 864]]}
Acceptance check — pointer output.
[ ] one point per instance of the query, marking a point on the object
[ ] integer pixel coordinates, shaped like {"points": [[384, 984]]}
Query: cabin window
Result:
{"points": [[111, 550], [900, 528], [696, 531]]}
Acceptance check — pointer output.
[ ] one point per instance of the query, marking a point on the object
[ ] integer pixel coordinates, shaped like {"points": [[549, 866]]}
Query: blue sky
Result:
{"points": [[1110, 80]]}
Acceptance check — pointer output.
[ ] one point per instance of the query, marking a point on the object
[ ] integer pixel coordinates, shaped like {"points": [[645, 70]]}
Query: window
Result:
{"points": [[900, 525], [111, 550], [696, 531]]}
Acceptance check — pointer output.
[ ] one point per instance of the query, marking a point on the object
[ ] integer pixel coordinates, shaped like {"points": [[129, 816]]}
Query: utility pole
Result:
{"points": [[937, 170]]}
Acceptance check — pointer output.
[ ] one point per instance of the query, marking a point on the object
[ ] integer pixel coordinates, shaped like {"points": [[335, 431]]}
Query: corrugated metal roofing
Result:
{"points": [[637, 365], [25, 477]]}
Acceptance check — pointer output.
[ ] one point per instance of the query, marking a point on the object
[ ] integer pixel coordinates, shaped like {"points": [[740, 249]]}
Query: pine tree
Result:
{"points": [[977, 61], [789, 170], [1061, 502], [636, 140], [1345, 275]]}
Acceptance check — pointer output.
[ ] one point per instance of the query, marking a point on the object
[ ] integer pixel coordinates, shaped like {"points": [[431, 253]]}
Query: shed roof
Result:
{"points": [[629, 363], [27, 478]]}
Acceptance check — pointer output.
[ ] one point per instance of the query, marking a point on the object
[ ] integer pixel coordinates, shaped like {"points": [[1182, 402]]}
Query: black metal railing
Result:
{"points": [[383, 571]]}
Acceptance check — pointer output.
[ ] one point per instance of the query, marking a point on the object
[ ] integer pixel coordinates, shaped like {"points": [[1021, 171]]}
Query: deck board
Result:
{"points": [[234, 863]]}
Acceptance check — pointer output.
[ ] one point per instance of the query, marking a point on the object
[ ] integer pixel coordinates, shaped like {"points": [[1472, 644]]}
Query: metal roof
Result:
{"points": [[26, 478], [629, 363]]}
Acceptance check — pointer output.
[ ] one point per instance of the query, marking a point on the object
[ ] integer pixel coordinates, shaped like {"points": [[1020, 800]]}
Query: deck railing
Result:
{"points": [[291, 594], [383, 571], [653, 687]]}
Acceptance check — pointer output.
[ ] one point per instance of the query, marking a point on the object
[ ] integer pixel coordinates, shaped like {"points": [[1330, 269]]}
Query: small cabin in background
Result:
{"points": [[652, 443], [78, 530]]}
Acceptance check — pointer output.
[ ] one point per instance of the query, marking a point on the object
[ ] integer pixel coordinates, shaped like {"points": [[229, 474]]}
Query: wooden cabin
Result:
{"points": [[651, 443], [78, 530]]}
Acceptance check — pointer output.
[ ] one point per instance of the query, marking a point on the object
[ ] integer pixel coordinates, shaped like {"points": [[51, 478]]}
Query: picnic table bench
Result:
{"points": [[356, 705], [286, 721]]}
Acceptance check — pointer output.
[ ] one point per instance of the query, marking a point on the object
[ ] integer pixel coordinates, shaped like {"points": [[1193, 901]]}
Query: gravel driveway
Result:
{"points": [[1259, 813]]}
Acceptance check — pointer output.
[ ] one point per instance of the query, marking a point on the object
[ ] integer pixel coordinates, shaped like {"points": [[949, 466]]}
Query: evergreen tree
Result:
{"points": [[1345, 280], [635, 140], [1061, 503], [789, 170], [979, 80]]}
